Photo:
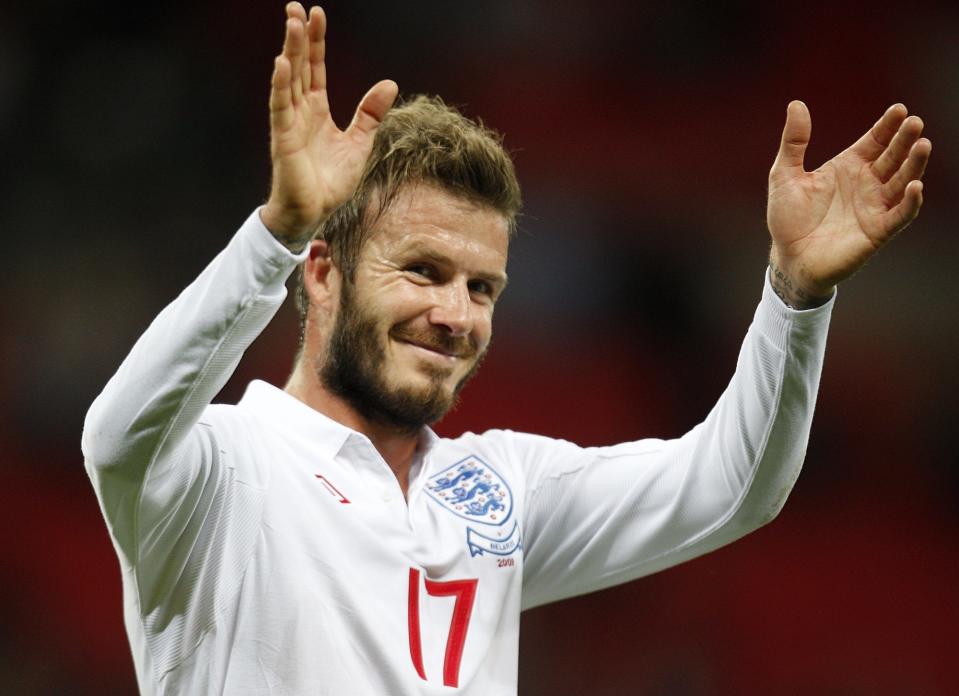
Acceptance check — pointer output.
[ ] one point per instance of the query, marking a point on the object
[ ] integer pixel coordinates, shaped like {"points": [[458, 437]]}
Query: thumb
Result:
{"points": [[796, 134], [373, 107]]}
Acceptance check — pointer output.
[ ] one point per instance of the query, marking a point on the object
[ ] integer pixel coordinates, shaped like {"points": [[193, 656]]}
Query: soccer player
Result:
{"points": [[321, 539]]}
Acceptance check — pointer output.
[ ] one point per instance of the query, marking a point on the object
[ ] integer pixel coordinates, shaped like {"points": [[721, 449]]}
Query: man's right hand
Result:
{"points": [[316, 166]]}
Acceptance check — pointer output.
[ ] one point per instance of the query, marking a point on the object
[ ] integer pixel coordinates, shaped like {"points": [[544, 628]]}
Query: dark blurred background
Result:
{"points": [[134, 142]]}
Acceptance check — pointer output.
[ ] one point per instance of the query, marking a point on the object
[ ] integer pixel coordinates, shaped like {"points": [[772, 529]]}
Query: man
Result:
{"points": [[321, 539]]}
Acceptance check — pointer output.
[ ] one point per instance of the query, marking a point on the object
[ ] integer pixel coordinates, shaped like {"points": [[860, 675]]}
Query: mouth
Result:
{"points": [[433, 352]]}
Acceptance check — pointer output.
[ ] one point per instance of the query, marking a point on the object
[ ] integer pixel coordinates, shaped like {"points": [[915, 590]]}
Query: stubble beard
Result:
{"points": [[354, 370]]}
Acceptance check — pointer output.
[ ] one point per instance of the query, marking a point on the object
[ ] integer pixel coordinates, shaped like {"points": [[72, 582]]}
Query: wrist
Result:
{"points": [[284, 228], [794, 289]]}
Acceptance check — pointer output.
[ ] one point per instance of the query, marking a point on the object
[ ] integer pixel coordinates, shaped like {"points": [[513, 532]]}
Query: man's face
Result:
{"points": [[418, 320]]}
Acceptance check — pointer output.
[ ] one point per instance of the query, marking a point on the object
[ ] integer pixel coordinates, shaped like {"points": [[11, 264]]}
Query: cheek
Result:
{"points": [[483, 327], [404, 299], [392, 304]]}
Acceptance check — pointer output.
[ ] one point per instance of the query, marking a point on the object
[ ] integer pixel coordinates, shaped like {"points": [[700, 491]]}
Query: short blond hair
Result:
{"points": [[421, 140]]}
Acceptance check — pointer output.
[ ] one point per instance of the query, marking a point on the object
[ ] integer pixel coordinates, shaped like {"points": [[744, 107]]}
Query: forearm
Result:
{"points": [[733, 472], [762, 425], [187, 354], [613, 514]]}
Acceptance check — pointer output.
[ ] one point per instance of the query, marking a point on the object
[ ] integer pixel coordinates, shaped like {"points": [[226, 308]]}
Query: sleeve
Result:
{"points": [[158, 474], [596, 517]]}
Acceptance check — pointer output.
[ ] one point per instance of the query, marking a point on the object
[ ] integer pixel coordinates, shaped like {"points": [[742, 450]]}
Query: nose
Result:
{"points": [[453, 309]]}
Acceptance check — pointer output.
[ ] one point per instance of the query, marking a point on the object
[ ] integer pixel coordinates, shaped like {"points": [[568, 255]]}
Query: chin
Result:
{"points": [[426, 384]]}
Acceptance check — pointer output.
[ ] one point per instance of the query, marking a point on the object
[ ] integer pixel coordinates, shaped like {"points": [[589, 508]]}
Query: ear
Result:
{"points": [[321, 278]]}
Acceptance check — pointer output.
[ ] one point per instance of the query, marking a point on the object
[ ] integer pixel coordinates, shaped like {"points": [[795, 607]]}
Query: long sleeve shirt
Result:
{"points": [[266, 549]]}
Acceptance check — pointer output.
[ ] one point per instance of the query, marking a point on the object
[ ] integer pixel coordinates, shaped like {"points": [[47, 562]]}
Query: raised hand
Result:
{"points": [[316, 166], [825, 224]]}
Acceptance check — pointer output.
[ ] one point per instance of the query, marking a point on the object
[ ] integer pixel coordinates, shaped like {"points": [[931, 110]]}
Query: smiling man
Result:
{"points": [[321, 539], [412, 324]]}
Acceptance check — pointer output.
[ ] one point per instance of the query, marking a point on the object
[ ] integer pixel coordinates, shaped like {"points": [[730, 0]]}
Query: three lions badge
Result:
{"points": [[473, 490]]}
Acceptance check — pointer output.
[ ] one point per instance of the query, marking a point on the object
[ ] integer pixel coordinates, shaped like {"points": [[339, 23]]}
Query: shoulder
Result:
{"points": [[507, 443], [229, 419], [512, 442], [241, 440], [521, 453]]}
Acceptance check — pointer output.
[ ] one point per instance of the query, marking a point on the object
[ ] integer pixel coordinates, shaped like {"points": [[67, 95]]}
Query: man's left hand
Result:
{"points": [[825, 224]]}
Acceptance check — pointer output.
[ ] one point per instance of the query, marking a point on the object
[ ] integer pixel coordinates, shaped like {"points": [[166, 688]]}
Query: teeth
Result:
{"points": [[433, 349]]}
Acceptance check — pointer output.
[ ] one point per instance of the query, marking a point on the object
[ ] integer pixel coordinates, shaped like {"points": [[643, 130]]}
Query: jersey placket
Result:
{"points": [[380, 487]]}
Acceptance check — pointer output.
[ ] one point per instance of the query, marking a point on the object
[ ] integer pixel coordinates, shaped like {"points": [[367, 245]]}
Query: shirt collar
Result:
{"points": [[289, 413]]}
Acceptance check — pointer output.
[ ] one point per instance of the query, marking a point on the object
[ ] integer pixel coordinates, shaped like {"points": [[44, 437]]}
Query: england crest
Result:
{"points": [[473, 490], [478, 544]]}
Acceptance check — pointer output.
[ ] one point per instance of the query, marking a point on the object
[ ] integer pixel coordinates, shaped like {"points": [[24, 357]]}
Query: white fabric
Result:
{"points": [[245, 572]]}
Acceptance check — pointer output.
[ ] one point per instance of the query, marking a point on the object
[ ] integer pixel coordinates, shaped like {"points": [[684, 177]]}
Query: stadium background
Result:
{"points": [[134, 141]]}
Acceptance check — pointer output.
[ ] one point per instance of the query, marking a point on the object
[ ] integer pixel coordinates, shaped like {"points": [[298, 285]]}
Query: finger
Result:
{"points": [[373, 107], [796, 134], [891, 159], [281, 98], [877, 138], [912, 170], [316, 32], [895, 220], [293, 50], [294, 10]]}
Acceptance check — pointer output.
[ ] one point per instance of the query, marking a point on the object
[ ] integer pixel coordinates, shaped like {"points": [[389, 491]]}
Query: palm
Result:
{"points": [[319, 163], [828, 222], [316, 166]]}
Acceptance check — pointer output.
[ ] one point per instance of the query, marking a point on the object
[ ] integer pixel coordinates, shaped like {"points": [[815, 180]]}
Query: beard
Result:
{"points": [[356, 361]]}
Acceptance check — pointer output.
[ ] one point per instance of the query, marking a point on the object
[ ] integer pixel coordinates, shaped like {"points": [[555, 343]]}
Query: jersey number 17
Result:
{"points": [[465, 593]]}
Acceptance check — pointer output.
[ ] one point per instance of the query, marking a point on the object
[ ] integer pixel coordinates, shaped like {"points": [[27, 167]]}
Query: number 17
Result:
{"points": [[465, 593]]}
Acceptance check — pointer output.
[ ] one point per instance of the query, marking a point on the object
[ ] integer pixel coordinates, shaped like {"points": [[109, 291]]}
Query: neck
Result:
{"points": [[396, 447]]}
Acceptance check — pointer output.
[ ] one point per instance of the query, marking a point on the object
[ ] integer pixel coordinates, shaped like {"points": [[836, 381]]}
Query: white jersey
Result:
{"points": [[266, 549]]}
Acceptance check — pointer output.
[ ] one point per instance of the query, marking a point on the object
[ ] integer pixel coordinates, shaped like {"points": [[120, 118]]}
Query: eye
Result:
{"points": [[423, 270], [481, 286]]}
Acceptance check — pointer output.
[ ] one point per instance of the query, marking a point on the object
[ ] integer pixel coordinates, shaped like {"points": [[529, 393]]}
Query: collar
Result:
{"points": [[330, 436]]}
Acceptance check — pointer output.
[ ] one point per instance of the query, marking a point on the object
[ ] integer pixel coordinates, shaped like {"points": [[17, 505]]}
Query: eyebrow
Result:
{"points": [[419, 251]]}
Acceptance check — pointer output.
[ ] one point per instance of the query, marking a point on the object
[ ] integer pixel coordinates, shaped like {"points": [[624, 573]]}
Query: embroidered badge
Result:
{"points": [[479, 543], [473, 490]]}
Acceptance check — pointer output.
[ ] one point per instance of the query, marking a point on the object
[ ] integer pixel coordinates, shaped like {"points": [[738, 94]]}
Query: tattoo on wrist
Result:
{"points": [[790, 293], [295, 245], [292, 241]]}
